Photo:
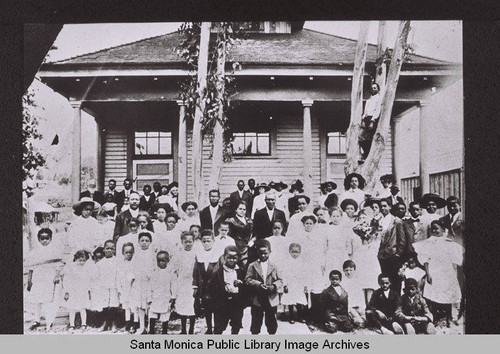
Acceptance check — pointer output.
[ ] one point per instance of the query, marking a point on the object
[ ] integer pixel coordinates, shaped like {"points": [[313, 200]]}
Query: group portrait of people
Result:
{"points": [[340, 260]]}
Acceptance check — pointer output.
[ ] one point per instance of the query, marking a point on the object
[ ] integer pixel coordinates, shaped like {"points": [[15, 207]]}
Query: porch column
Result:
{"points": [[100, 155], [307, 137], [425, 132], [397, 150], [182, 154], [76, 153]]}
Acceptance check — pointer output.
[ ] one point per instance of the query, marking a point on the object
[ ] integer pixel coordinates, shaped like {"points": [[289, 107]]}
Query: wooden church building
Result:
{"points": [[291, 99]]}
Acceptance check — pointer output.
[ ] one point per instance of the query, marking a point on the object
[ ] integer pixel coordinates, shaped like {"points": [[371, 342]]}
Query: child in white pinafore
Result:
{"points": [[297, 283], [184, 266], [77, 280], [280, 245], [94, 313], [126, 278], [108, 293], [163, 294], [44, 268], [144, 260]]}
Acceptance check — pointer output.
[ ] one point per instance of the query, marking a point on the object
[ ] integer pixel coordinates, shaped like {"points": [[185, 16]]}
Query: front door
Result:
{"points": [[150, 171]]}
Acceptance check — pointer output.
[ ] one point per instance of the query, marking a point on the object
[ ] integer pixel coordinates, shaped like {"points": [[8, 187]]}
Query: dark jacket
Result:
{"points": [[235, 199], [392, 242], [379, 302], [207, 222], [216, 293], [263, 227], [335, 306], [121, 224], [254, 279], [416, 308], [455, 230], [200, 281], [398, 198], [120, 198], [146, 205]]}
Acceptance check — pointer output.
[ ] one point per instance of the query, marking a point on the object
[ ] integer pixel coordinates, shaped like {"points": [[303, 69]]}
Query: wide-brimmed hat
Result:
{"points": [[347, 202], [185, 205], [388, 177], [86, 200], [370, 201], [332, 200], [308, 200], [325, 184], [347, 181], [426, 198], [262, 185], [173, 184], [276, 184], [297, 186]]}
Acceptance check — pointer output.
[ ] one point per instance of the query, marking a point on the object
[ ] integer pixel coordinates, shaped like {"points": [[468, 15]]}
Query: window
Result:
{"points": [[252, 143], [251, 26], [336, 143], [153, 143]]}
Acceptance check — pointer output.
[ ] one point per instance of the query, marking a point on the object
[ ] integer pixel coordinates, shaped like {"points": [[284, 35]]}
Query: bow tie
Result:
{"points": [[415, 220]]}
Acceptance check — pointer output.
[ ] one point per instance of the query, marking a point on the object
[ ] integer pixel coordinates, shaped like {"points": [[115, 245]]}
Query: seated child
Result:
{"points": [[265, 282], [411, 270], [355, 292], [412, 311], [162, 297], [382, 307], [334, 303]]}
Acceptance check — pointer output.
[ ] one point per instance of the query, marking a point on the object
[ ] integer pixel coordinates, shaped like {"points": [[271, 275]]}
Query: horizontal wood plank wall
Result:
{"points": [[286, 162], [115, 156]]}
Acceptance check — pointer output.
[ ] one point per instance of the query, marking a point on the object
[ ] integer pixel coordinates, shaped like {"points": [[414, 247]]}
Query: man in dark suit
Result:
{"points": [[227, 292], [453, 221], [241, 195], [394, 198], [414, 230], [112, 189], [122, 219], [147, 200], [125, 193], [212, 215], [392, 245], [264, 218], [91, 192]]}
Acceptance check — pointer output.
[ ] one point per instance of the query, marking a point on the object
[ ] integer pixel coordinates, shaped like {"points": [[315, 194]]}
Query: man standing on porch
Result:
{"points": [[125, 193], [122, 220], [212, 215], [239, 196], [112, 189], [264, 218]]}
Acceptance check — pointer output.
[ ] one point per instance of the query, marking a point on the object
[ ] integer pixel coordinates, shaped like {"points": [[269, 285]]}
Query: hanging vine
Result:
{"points": [[219, 87]]}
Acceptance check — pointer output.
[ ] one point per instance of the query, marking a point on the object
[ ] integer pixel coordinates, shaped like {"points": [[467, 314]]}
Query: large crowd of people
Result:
{"points": [[339, 260]]}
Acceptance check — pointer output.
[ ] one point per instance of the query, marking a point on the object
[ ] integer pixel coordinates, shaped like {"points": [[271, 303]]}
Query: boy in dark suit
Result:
{"points": [[382, 307], [265, 281], [226, 290], [213, 215], [335, 305]]}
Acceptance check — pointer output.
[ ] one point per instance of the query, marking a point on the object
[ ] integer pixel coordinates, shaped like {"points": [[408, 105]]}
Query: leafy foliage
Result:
{"points": [[32, 158], [219, 87]]}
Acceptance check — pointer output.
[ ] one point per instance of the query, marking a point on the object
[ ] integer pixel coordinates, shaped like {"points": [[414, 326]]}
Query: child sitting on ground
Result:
{"points": [[334, 303], [382, 307], [412, 311], [356, 294]]}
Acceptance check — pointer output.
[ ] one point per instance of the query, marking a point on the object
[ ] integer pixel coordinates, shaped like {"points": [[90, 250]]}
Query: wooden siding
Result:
{"points": [[115, 156], [408, 189], [285, 162], [447, 184]]}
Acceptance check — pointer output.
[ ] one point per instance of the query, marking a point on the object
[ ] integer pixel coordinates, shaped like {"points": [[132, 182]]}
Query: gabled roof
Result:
{"points": [[304, 47]]}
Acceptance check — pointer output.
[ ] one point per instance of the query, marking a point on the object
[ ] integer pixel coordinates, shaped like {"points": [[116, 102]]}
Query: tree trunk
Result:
{"points": [[371, 164], [197, 145], [381, 66], [352, 150], [218, 141]]}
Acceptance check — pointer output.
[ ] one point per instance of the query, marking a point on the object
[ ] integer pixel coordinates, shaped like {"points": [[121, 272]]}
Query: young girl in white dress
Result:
{"points": [[105, 227], [296, 280], [170, 241], [145, 263], [184, 266], [132, 236], [163, 293], [279, 246], [196, 231], [159, 225], [44, 281], [126, 278], [77, 281], [108, 274]]}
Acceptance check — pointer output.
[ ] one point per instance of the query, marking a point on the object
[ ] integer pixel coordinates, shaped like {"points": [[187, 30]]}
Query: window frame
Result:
{"points": [[337, 154], [250, 155], [146, 156]]}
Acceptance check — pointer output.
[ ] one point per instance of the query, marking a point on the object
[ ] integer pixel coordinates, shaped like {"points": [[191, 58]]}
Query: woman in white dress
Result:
{"points": [[350, 208], [259, 201], [440, 257], [191, 216], [84, 228], [295, 222]]}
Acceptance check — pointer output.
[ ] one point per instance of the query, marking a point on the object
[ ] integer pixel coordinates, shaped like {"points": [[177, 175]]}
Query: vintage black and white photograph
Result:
{"points": [[272, 177]]}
